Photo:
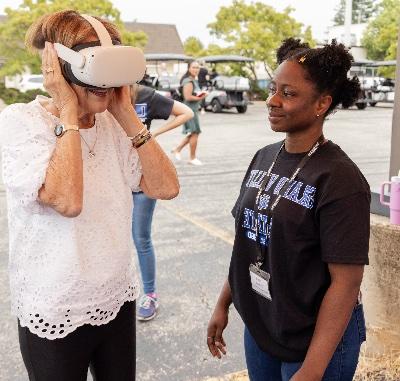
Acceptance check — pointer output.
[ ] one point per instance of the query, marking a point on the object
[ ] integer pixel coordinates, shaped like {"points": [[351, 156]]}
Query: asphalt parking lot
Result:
{"points": [[193, 238]]}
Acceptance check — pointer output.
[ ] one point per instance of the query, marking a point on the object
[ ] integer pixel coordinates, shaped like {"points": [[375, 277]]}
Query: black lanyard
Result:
{"points": [[272, 205]]}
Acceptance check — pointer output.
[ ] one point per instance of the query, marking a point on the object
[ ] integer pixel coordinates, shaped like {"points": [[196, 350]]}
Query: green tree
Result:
{"points": [[362, 11], [256, 30], [12, 31], [193, 47], [380, 37], [215, 50]]}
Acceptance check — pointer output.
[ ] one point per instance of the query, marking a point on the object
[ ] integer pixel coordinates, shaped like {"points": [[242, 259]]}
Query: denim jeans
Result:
{"points": [[263, 367], [143, 209]]}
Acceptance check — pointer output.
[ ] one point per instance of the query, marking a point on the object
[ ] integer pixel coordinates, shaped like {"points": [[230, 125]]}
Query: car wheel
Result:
{"points": [[216, 106], [241, 109], [373, 104]]}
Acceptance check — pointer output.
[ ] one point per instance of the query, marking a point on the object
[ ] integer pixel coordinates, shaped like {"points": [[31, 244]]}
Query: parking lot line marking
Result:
{"points": [[237, 376], [206, 226]]}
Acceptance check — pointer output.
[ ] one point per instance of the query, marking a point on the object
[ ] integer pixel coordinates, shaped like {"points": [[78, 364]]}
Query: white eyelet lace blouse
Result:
{"points": [[66, 272]]}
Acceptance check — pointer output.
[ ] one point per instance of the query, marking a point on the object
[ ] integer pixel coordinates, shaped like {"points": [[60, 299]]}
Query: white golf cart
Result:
{"points": [[166, 80], [374, 88], [226, 92]]}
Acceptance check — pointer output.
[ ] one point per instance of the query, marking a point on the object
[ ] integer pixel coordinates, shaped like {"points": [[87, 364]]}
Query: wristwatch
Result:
{"points": [[61, 129]]}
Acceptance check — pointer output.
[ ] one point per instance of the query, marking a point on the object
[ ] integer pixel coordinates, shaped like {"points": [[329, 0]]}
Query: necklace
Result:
{"points": [[91, 150]]}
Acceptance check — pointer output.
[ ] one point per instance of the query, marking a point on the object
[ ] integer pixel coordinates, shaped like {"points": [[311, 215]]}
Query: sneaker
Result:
{"points": [[147, 307], [195, 161], [177, 155]]}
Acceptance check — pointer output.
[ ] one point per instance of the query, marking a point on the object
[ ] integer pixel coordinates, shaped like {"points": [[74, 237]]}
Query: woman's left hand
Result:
{"points": [[121, 101]]}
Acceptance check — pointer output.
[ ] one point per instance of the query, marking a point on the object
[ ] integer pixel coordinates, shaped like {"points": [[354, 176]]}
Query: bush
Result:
{"points": [[10, 96]]}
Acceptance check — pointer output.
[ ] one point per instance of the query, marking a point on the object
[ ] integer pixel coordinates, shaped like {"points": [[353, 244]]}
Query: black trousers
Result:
{"points": [[109, 350]]}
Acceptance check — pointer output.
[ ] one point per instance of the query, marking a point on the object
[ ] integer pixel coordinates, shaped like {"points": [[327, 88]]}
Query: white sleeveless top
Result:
{"points": [[66, 272]]}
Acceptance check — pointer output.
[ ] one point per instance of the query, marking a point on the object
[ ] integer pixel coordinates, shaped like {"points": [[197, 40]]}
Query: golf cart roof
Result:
{"points": [[225, 58], [167, 57], [385, 63], [362, 62]]}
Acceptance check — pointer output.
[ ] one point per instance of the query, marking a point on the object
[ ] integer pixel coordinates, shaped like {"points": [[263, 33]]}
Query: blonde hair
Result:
{"points": [[66, 27]]}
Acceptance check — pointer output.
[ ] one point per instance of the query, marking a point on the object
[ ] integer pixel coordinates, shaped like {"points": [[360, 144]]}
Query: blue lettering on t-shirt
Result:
{"points": [[262, 224], [257, 225], [248, 222], [271, 181], [263, 201], [141, 111], [308, 197], [294, 191], [256, 178], [280, 184]]}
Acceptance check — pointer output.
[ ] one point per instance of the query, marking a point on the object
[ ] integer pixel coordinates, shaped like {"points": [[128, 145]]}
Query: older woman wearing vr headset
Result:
{"points": [[70, 164]]}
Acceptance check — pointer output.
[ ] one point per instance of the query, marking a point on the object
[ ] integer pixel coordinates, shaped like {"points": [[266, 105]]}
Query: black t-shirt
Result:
{"points": [[150, 105], [322, 218], [202, 77]]}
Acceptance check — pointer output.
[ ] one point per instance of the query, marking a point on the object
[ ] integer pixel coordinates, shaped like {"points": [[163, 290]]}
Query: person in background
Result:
{"points": [[164, 70], [190, 87], [204, 79], [214, 74], [302, 232], [70, 164], [150, 105], [203, 76]]}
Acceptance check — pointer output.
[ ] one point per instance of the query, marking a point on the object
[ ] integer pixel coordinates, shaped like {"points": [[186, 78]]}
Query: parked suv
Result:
{"points": [[25, 82]]}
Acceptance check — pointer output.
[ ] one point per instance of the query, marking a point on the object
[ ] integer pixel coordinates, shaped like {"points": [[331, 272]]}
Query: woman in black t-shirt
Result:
{"points": [[302, 232]]}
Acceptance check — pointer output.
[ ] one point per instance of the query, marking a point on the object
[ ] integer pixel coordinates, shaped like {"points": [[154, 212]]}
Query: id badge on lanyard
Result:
{"points": [[260, 281]]}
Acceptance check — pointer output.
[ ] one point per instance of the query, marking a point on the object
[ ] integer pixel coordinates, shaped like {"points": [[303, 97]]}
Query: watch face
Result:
{"points": [[58, 130]]}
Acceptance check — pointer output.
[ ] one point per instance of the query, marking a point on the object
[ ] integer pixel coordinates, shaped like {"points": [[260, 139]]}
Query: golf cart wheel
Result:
{"points": [[216, 106], [361, 106], [373, 104], [241, 109]]}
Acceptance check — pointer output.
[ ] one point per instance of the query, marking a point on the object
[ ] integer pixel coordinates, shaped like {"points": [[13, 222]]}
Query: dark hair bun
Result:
{"points": [[334, 58], [350, 92], [290, 47]]}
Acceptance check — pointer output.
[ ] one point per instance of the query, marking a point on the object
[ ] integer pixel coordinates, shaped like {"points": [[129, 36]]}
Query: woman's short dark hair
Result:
{"points": [[326, 68]]}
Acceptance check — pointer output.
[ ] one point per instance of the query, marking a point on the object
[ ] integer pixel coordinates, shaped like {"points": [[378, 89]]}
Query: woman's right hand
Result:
{"points": [[62, 94], [216, 325]]}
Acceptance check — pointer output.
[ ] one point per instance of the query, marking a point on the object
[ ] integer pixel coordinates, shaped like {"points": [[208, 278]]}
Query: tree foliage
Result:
{"points": [[256, 30], [362, 11], [12, 31], [193, 47], [380, 37]]}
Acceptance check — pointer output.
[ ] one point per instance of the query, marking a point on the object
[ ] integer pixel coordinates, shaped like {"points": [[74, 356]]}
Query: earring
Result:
{"points": [[317, 115]]}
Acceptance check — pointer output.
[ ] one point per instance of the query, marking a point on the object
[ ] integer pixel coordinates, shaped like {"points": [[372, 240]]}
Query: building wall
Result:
{"points": [[338, 32]]}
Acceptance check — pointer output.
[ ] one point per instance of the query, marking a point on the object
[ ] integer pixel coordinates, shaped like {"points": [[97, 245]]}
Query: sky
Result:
{"points": [[192, 16]]}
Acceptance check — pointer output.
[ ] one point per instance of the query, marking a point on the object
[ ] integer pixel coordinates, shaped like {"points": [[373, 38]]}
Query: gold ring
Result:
{"points": [[49, 69]]}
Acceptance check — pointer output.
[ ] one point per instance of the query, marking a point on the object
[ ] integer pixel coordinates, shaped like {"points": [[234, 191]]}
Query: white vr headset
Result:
{"points": [[103, 63]]}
